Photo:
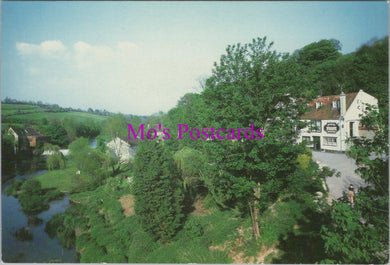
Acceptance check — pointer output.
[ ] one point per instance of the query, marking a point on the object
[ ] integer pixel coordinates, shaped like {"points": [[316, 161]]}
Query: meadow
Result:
{"points": [[19, 114]]}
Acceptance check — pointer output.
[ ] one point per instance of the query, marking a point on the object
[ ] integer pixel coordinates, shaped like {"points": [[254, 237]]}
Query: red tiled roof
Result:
{"points": [[326, 112]]}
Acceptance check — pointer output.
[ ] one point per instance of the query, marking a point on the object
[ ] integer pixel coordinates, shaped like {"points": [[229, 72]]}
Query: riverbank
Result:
{"points": [[41, 248]]}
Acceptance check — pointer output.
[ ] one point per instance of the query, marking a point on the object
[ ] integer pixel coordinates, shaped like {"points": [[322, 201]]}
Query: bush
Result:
{"points": [[303, 161], [219, 227], [61, 225], [192, 228], [16, 186], [31, 186], [52, 195], [32, 204]]}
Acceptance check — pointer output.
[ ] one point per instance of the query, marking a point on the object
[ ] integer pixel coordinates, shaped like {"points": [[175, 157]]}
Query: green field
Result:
{"points": [[64, 180], [25, 112]]}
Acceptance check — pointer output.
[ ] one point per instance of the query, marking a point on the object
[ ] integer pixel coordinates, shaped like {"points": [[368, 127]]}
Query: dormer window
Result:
{"points": [[334, 104], [318, 105]]}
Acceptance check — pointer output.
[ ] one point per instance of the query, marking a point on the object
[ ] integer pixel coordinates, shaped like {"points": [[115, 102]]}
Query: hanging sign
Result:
{"points": [[331, 127]]}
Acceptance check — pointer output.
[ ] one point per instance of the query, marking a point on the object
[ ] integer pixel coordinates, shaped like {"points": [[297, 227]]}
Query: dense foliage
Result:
{"points": [[230, 200], [32, 197], [159, 198], [360, 234]]}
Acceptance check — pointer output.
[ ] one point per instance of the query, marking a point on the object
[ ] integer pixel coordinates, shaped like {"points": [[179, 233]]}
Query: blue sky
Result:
{"points": [[141, 57]]}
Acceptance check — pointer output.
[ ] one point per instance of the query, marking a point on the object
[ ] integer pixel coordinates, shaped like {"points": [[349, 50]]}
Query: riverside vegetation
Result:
{"points": [[224, 201]]}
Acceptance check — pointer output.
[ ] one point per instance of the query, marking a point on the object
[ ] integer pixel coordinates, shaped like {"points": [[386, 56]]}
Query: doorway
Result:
{"points": [[317, 143]]}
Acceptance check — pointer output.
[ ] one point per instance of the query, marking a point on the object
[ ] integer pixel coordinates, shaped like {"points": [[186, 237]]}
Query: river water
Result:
{"points": [[41, 248]]}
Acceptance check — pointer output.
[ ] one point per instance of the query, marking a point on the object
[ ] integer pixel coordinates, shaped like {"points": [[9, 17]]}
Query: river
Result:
{"points": [[41, 248]]}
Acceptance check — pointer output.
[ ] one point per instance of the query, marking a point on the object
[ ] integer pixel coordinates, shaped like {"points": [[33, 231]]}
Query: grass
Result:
{"points": [[25, 112], [64, 180]]}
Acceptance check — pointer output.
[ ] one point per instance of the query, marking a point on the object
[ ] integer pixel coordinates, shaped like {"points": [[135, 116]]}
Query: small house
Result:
{"points": [[26, 138]]}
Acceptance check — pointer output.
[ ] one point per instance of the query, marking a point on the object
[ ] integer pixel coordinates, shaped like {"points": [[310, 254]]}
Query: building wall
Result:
{"points": [[326, 145], [358, 106], [121, 149], [350, 120], [32, 140]]}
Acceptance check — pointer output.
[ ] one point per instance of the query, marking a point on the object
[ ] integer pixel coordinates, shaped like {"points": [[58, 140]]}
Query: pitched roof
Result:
{"points": [[18, 131], [326, 112]]}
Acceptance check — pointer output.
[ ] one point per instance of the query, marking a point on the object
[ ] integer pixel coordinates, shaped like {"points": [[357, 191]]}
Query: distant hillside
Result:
{"points": [[27, 113]]}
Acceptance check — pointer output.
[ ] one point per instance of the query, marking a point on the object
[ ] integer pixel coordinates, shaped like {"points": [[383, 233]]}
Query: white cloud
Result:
{"points": [[83, 54], [47, 49], [88, 55], [127, 47], [119, 77]]}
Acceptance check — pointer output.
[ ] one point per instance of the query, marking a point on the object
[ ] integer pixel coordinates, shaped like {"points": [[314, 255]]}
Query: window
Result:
{"points": [[316, 127], [334, 104], [318, 105], [332, 141], [351, 129], [306, 139]]}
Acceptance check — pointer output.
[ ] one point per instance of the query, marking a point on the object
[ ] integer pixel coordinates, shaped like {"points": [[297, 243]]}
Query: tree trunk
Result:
{"points": [[255, 211], [254, 216]]}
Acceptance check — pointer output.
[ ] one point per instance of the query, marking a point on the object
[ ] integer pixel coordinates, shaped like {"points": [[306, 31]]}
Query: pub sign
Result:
{"points": [[331, 127]]}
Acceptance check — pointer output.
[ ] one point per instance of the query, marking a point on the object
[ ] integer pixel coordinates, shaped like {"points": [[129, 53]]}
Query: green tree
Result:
{"points": [[115, 126], [92, 162], [371, 70], [7, 151], [361, 234], [253, 85], [70, 126], [55, 159], [158, 195], [57, 133], [318, 52]]}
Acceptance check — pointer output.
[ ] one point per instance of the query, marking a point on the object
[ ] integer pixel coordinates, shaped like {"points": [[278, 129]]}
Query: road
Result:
{"points": [[346, 166]]}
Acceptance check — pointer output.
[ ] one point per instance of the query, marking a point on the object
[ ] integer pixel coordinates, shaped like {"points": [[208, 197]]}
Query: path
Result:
{"points": [[346, 166]]}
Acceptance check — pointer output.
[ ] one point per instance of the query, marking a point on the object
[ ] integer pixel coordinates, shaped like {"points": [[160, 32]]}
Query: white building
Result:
{"points": [[121, 149], [64, 152], [336, 118]]}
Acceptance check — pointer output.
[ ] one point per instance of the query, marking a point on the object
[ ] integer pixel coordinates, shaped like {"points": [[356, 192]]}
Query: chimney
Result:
{"points": [[343, 104]]}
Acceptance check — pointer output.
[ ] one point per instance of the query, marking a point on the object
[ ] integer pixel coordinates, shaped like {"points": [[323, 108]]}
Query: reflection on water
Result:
{"points": [[93, 143], [22, 166], [41, 248]]}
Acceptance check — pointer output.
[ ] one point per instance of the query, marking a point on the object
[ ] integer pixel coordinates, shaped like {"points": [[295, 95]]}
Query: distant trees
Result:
{"points": [[328, 71], [157, 191], [57, 133], [115, 126], [319, 52]]}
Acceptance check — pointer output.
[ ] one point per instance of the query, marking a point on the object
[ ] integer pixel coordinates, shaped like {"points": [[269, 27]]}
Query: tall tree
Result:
{"points": [[253, 85], [157, 190]]}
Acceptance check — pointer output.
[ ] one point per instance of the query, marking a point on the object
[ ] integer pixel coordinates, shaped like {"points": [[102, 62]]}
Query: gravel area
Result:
{"points": [[346, 166]]}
